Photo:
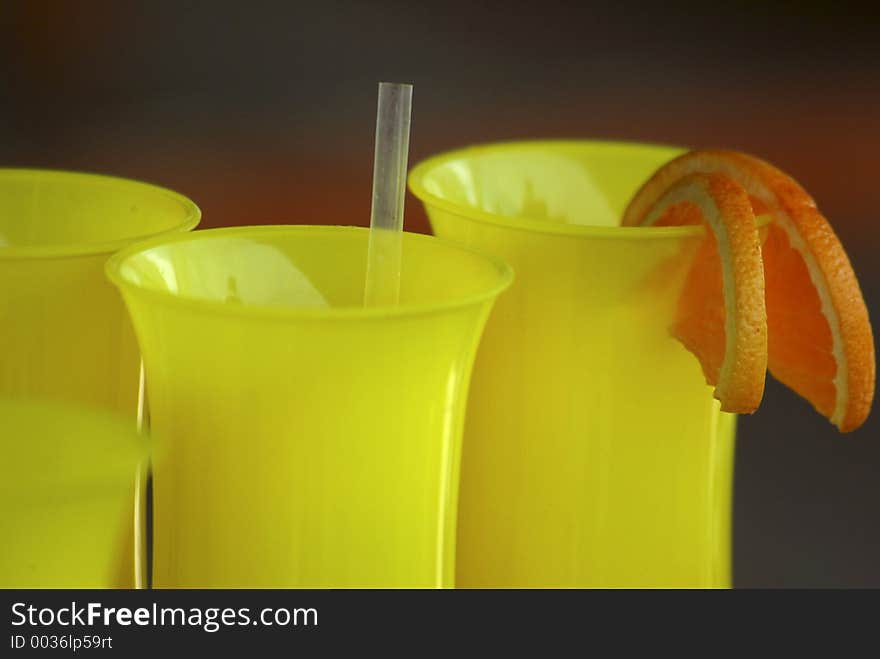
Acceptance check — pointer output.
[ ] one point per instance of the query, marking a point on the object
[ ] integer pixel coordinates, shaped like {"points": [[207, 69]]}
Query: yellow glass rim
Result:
{"points": [[422, 170], [113, 271], [189, 216]]}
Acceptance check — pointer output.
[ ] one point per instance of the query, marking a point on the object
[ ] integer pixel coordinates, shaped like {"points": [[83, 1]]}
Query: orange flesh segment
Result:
{"points": [[700, 316], [799, 345]]}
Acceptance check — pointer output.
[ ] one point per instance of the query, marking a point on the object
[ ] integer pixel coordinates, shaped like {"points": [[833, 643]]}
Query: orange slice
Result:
{"points": [[721, 316], [820, 342]]}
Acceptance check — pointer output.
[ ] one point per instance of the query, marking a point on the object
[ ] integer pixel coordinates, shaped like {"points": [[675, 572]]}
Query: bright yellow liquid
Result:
{"points": [[304, 440], [594, 453]]}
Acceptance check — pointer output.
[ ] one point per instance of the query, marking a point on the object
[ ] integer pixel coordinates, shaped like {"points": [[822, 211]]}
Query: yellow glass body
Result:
{"points": [[304, 440], [594, 453], [65, 335]]}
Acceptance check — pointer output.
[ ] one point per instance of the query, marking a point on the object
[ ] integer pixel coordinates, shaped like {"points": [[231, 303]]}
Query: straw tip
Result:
{"points": [[405, 85]]}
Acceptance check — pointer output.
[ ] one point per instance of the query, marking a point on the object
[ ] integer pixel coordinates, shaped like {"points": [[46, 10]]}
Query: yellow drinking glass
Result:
{"points": [[67, 495], [594, 453], [303, 439], [64, 332]]}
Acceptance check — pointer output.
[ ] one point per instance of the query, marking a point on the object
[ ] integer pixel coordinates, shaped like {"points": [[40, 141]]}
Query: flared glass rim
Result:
{"points": [[424, 169], [113, 269], [189, 216]]}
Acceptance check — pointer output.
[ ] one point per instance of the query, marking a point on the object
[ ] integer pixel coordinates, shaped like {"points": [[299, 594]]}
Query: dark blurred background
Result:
{"points": [[263, 112]]}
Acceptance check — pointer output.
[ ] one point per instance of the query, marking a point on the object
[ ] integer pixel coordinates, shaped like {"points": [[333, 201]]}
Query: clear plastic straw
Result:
{"points": [[389, 190]]}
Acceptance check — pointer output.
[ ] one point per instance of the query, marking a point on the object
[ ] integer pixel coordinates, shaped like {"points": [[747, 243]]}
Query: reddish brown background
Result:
{"points": [[263, 113]]}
